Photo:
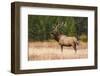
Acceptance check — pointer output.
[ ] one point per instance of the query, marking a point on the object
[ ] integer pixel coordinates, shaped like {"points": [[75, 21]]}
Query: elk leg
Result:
{"points": [[75, 49], [74, 46], [62, 48]]}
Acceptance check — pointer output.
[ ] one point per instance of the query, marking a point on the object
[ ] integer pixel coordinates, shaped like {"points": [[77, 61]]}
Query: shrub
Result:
{"points": [[84, 38]]}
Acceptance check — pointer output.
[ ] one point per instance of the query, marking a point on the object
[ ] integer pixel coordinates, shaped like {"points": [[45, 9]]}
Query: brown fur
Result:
{"points": [[63, 40]]}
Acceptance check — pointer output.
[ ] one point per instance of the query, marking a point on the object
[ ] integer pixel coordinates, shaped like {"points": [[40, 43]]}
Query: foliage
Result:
{"points": [[83, 38], [40, 27]]}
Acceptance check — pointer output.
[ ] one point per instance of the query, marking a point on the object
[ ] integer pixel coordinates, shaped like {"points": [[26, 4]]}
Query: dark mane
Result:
{"points": [[56, 35]]}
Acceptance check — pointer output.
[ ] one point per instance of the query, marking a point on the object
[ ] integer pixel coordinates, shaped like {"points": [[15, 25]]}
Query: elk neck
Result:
{"points": [[57, 36]]}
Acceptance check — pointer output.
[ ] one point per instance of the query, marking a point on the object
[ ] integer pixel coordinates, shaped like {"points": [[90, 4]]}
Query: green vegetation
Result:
{"points": [[39, 27], [83, 38]]}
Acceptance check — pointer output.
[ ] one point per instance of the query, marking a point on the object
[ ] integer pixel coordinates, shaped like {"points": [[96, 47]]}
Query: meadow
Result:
{"points": [[52, 51]]}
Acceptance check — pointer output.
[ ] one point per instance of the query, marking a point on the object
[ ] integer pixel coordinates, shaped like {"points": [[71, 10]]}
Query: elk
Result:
{"points": [[64, 40]]}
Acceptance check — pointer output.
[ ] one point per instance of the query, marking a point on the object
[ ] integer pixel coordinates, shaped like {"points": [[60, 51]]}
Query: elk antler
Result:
{"points": [[58, 25], [61, 24]]}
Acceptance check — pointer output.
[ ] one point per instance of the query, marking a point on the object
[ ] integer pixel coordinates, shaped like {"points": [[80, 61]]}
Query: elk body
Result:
{"points": [[63, 40]]}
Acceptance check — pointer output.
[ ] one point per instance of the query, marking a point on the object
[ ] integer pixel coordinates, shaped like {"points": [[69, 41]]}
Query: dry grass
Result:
{"points": [[51, 50]]}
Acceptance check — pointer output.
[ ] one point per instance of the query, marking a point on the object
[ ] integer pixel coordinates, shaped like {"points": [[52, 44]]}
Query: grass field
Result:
{"points": [[51, 51]]}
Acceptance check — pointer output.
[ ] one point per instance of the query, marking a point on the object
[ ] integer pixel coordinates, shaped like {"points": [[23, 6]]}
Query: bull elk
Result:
{"points": [[64, 40]]}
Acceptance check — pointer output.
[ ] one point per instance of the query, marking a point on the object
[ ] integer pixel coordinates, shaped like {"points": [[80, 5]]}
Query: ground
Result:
{"points": [[51, 51]]}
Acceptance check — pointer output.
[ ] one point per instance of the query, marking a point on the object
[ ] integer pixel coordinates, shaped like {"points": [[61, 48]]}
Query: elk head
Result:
{"points": [[56, 33]]}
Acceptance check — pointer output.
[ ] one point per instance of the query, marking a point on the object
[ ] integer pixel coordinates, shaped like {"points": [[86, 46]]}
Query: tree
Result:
{"points": [[40, 27]]}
